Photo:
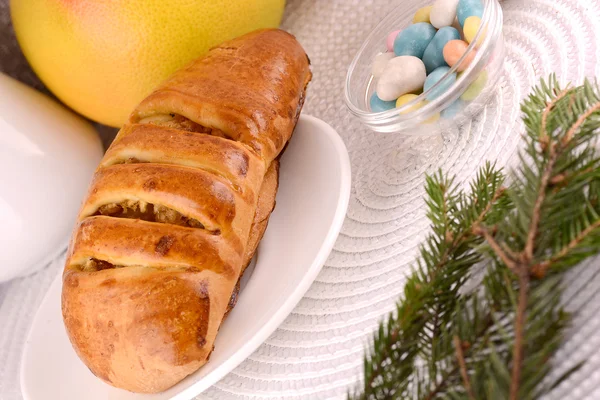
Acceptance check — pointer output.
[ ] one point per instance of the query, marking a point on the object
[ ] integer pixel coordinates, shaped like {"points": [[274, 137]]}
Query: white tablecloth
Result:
{"points": [[317, 352]]}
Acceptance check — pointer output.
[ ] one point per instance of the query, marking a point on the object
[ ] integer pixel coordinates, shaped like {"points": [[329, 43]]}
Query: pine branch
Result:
{"points": [[540, 270], [523, 274], [554, 145], [502, 252], [460, 357], [496, 341], [446, 259]]}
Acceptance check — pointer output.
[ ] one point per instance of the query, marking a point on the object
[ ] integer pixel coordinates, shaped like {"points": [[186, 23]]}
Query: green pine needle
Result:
{"points": [[495, 339]]}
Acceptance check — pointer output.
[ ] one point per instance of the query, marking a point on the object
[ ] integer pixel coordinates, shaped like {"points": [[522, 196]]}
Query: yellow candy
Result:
{"points": [[470, 29], [422, 15], [475, 88], [406, 98]]}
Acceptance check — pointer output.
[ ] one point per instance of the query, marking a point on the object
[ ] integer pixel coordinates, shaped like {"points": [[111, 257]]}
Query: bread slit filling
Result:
{"points": [[94, 264], [182, 123], [149, 212]]}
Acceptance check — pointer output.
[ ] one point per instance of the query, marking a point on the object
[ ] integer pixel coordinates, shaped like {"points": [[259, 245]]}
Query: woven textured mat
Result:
{"points": [[317, 352]]}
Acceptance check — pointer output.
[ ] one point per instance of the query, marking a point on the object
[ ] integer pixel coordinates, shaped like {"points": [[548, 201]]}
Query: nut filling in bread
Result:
{"points": [[93, 264], [182, 123], [148, 212]]}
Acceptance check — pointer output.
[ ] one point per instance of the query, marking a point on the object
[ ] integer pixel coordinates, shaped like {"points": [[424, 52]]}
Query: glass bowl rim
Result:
{"points": [[491, 22]]}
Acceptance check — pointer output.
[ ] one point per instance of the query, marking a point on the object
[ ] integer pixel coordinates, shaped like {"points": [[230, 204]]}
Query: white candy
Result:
{"points": [[401, 75], [443, 13], [380, 62]]}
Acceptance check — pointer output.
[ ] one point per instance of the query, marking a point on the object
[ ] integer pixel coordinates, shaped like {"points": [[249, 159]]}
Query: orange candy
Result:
{"points": [[454, 50]]}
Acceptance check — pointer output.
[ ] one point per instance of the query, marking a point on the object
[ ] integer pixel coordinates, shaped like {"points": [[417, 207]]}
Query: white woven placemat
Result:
{"points": [[317, 352]]}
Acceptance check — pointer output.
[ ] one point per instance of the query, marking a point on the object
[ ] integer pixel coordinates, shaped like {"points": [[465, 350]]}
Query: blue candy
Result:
{"points": [[414, 40], [434, 78], [468, 8], [453, 109], [433, 57], [378, 105]]}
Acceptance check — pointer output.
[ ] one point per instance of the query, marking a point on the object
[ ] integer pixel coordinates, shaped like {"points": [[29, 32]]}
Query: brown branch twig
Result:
{"points": [[524, 262], [519, 332], [580, 121], [463, 367], [524, 267], [509, 251], [549, 106], [487, 324], [454, 243], [521, 263], [478, 230], [508, 261], [499, 192], [523, 273], [536, 213], [539, 270], [547, 173]]}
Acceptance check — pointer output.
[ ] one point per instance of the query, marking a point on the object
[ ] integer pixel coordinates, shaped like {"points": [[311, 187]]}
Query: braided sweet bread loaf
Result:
{"points": [[176, 209]]}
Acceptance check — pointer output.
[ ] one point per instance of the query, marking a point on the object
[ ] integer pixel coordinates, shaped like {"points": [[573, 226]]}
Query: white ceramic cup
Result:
{"points": [[47, 157]]}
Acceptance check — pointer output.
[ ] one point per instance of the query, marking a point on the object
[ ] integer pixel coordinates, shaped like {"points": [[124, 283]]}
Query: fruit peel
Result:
{"points": [[102, 57]]}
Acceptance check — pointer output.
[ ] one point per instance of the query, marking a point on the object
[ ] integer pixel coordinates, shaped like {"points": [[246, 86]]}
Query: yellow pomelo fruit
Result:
{"points": [[102, 57]]}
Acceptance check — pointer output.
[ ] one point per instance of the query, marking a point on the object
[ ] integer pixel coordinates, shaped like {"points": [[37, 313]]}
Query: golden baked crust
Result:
{"points": [[176, 210], [266, 204], [150, 143], [252, 91]]}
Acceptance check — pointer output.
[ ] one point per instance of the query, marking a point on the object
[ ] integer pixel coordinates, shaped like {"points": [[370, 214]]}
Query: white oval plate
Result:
{"points": [[314, 188]]}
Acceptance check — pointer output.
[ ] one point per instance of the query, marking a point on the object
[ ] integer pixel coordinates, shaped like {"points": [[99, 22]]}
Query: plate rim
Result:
{"points": [[343, 161]]}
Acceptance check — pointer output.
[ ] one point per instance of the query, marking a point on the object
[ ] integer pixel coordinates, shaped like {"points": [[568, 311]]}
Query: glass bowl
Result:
{"points": [[455, 105]]}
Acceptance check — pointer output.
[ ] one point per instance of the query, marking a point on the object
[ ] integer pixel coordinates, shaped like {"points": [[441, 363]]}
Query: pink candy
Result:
{"points": [[390, 40]]}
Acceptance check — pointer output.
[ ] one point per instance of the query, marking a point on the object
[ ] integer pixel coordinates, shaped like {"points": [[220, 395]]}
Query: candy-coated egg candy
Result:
{"points": [[436, 76], [422, 15], [443, 13], [406, 98], [470, 29], [390, 40], [380, 62], [454, 50], [475, 88], [453, 109], [468, 8], [378, 105], [413, 40], [433, 57], [401, 75]]}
